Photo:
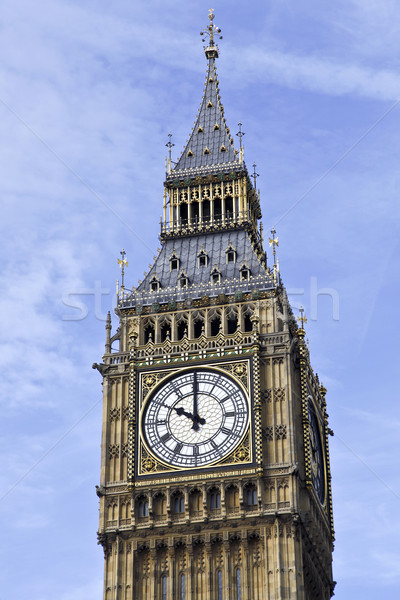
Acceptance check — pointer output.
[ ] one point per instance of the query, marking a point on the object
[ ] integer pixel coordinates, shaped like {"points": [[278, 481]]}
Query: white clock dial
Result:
{"points": [[195, 418]]}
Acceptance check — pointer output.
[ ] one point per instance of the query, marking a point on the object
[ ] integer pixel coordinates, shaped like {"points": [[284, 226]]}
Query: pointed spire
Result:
{"points": [[108, 333], [210, 142]]}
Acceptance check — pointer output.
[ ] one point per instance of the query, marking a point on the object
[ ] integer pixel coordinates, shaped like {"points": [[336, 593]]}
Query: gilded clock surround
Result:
{"points": [[210, 301], [150, 381]]}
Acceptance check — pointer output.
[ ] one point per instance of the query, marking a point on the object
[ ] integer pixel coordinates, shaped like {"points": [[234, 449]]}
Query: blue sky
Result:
{"points": [[89, 92]]}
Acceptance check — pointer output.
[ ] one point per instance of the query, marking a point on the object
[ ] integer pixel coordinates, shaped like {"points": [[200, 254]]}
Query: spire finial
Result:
{"points": [[240, 134], [122, 263], [169, 145], [254, 176], [302, 319], [274, 242], [211, 50]]}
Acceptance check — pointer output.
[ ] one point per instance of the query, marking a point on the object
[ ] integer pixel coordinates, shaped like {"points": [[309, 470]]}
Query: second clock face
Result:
{"points": [[195, 418], [317, 456]]}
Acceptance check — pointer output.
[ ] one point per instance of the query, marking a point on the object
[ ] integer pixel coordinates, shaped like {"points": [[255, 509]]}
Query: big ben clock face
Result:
{"points": [[316, 453], [195, 418]]}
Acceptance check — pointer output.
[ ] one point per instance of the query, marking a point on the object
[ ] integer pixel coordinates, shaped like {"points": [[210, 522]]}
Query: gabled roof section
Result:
{"points": [[210, 142]]}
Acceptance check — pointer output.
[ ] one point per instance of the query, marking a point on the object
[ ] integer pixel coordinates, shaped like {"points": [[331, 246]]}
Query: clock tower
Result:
{"points": [[215, 480]]}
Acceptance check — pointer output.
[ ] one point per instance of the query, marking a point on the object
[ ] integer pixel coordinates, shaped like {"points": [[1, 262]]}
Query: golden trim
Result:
{"points": [[242, 452]]}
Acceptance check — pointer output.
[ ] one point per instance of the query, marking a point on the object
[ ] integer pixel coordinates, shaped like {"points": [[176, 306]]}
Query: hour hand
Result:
{"points": [[182, 412]]}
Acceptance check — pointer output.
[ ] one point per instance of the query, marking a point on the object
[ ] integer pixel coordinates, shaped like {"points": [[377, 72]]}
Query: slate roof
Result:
{"points": [[215, 245], [211, 113]]}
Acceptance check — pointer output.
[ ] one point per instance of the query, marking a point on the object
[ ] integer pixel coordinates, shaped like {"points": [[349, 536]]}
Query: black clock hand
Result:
{"points": [[195, 409], [181, 411], [196, 419]]}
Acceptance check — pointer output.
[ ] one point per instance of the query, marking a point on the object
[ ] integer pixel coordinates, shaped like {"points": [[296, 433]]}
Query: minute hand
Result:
{"points": [[196, 419], [195, 408]]}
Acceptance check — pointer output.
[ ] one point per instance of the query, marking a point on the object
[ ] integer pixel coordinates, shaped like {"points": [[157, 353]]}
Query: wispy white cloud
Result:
{"points": [[315, 74]]}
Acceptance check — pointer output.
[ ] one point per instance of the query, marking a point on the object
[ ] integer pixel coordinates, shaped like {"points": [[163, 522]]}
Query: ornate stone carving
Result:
{"points": [[115, 414], [280, 432], [266, 396], [113, 451], [268, 433], [124, 450], [279, 394]]}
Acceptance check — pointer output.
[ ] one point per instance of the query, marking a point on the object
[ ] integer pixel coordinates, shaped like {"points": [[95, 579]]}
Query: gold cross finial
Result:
{"points": [[122, 263], [211, 29], [274, 240], [274, 243], [302, 318]]}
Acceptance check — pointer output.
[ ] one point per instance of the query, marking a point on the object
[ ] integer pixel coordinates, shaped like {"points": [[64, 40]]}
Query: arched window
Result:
{"points": [[159, 505], [219, 584], [195, 502], [198, 324], [143, 508], [165, 331], [229, 207], [149, 332], [232, 320], [164, 587], [238, 585], [232, 499], [182, 326], [251, 496], [215, 321], [179, 504], [214, 499], [183, 582]]}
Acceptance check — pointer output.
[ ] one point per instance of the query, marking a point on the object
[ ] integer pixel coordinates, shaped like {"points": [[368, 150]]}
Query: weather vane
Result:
{"points": [[302, 318], [210, 29], [122, 263]]}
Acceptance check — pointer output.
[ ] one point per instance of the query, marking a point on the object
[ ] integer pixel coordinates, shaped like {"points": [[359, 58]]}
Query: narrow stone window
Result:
{"points": [[238, 585], [164, 587], [219, 584], [143, 509], [215, 499], [179, 504], [183, 584]]}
